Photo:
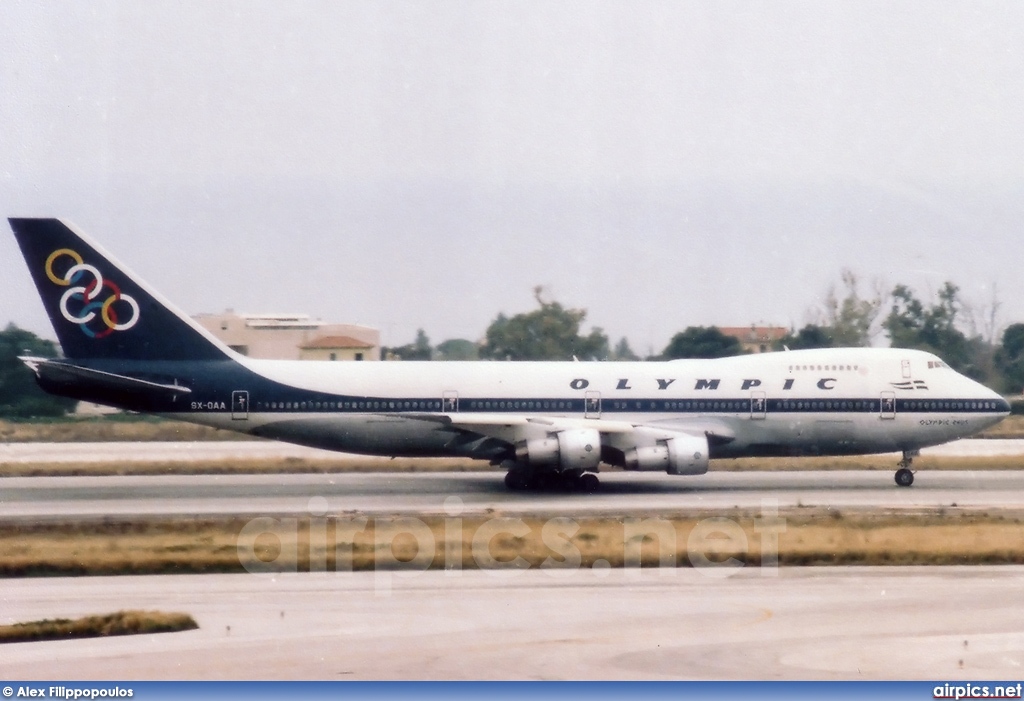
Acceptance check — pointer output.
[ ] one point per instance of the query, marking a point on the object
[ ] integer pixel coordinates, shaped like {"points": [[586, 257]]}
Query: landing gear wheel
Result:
{"points": [[588, 482], [518, 480], [568, 481], [904, 477]]}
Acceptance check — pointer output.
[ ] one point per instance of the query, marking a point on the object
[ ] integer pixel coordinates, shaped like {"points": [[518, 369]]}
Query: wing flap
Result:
{"points": [[484, 423], [516, 427]]}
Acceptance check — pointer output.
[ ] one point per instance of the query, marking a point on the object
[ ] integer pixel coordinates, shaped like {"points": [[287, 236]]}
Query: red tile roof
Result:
{"points": [[332, 342]]}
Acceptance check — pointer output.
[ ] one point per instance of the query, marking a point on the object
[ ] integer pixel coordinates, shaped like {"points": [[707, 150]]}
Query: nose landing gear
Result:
{"points": [[904, 475]]}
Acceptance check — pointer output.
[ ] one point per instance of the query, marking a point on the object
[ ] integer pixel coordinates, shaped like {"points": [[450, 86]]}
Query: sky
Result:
{"points": [[411, 165]]}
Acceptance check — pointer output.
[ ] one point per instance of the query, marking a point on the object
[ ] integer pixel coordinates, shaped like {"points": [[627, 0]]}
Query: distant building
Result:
{"points": [[337, 348], [292, 336], [755, 339]]}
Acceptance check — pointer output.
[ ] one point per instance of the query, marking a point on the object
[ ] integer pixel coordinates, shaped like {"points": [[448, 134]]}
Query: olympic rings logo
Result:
{"points": [[86, 295]]}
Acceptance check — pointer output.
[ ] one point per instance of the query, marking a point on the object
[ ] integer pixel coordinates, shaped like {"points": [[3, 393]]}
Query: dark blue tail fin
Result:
{"points": [[100, 310]]}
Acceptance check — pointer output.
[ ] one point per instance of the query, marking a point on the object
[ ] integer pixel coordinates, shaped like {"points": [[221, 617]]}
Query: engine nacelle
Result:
{"points": [[574, 449], [579, 449], [538, 451], [681, 455]]}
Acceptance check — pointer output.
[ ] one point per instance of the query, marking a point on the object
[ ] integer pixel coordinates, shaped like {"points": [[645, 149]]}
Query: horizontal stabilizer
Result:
{"points": [[96, 385]]}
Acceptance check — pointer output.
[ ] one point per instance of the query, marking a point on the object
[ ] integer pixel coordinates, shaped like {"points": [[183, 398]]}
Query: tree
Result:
{"points": [[1010, 358], [810, 336], [623, 351], [456, 349], [551, 332], [20, 396], [850, 321], [911, 324], [417, 350], [701, 342], [982, 325]]}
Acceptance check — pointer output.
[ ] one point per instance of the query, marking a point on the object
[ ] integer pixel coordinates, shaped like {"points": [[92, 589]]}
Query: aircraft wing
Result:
{"points": [[512, 428]]}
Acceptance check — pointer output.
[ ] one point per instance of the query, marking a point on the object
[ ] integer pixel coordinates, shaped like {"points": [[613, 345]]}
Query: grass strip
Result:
{"points": [[253, 466], [118, 427], [354, 543], [120, 623], [883, 463]]}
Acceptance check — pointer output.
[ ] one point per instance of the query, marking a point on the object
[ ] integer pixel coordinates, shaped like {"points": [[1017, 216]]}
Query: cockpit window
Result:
{"points": [[937, 364]]}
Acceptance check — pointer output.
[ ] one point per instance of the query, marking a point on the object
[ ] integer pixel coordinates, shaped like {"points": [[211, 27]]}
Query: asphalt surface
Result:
{"points": [[948, 623], [66, 498]]}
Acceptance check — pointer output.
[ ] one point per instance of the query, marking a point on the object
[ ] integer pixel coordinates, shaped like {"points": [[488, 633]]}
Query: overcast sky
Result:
{"points": [[422, 164]]}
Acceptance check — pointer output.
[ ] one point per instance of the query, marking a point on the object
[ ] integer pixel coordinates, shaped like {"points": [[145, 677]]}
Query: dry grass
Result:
{"points": [[351, 543], [119, 548], [885, 463], [120, 623], [107, 429], [244, 467], [1010, 427]]}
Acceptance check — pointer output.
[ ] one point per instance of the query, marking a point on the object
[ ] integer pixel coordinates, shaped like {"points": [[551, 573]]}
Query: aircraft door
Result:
{"points": [[450, 402], [240, 405], [758, 405], [887, 405], [592, 405]]}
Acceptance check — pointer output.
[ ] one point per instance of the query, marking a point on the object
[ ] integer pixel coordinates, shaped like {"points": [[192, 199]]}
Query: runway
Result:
{"points": [[804, 623], [64, 498]]}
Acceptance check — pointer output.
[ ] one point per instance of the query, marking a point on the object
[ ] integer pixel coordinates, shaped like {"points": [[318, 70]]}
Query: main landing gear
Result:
{"points": [[904, 475], [521, 478]]}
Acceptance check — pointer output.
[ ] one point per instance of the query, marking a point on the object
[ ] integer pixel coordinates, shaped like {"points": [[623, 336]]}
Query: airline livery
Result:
{"points": [[544, 422]]}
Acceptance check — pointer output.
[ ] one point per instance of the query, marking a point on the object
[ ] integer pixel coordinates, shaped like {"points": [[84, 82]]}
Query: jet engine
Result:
{"points": [[573, 449], [682, 455]]}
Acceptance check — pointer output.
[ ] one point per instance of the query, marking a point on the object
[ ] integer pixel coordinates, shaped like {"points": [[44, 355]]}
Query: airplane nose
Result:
{"points": [[1000, 404]]}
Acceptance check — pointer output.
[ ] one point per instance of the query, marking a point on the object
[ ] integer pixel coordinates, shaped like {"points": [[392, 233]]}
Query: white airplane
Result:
{"points": [[545, 422]]}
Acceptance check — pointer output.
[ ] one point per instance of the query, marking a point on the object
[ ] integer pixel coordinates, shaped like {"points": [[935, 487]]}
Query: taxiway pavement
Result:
{"points": [[799, 623], [69, 498]]}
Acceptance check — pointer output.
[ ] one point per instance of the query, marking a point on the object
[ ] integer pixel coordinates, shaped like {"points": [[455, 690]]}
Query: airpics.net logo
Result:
{"points": [[81, 303], [504, 546]]}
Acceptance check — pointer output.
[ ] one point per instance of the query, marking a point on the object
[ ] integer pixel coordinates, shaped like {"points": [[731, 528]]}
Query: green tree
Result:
{"points": [[850, 321], [701, 342], [456, 349], [912, 324], [551, 332], [417, 350], [810, 336], [623, 351], [1010, 358], [20, 396]]}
